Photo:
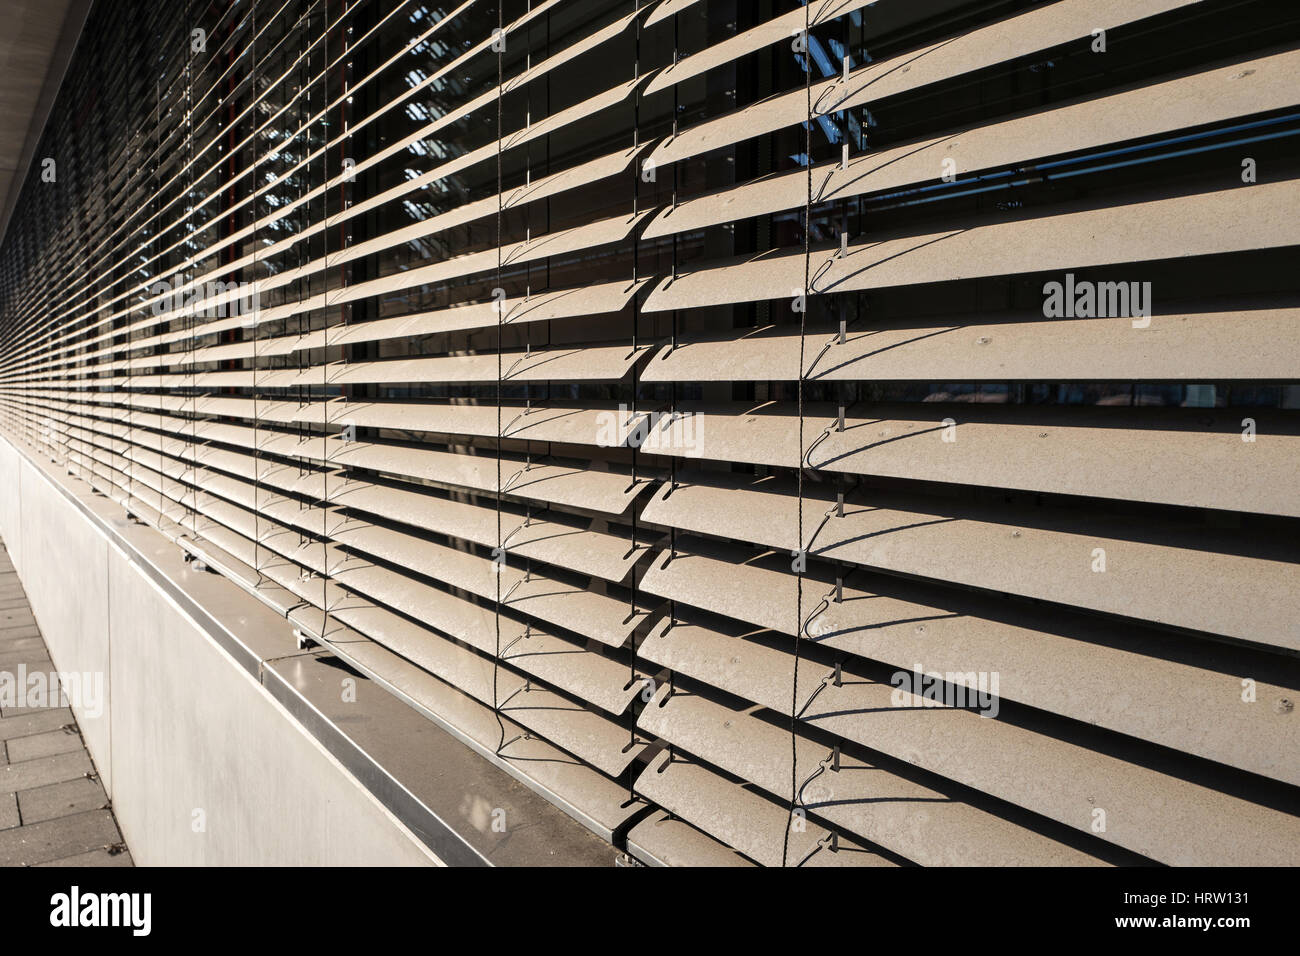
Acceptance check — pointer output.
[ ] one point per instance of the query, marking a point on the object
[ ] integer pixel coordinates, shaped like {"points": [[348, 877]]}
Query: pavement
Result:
{"points": [[53, 808]]}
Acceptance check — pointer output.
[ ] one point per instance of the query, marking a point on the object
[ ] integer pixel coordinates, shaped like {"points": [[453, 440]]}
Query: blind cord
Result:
{"points": [[257, 438], [325, 339], [801, 557], [636, 315], [500, 557]]}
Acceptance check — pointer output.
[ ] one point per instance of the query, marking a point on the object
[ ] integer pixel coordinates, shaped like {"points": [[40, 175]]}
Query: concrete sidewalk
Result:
{"points": [[53, 809]]}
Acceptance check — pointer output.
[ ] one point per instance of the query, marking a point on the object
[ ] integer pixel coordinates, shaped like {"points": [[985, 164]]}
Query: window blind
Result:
{"points": [[667, 399]]}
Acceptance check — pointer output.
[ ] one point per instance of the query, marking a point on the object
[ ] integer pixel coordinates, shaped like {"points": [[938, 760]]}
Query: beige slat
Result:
{"points": [[1208, 346], [747, 820], [661, 839], [1179, 578], [1188, 824], [1193, 457], [1031, 32], [1138, 683], [917, 822], [776, 30], [1263, 216], [1198, 99]]}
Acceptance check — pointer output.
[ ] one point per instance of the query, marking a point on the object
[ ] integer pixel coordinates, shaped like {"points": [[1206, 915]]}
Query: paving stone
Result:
{"points": [[52, 701], [61, 800], [34, 660], [11, 655], [26, 721], [34, 746], [51, 812], [19, 633], [99, 857], [57, 839], [8, 811], [21, 637], [44, 771], [16, 617]]}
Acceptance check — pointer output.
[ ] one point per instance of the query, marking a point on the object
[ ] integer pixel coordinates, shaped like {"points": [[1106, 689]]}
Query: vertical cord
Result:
{"points": [[304, 99], [528, 269], [324, 352], [499, 565], [257, 438], [636, 316], [803, 329], [123, 396], [672, 387], [325, 329], [547, 141], [193, 497], [157, 146], [636, 189]]}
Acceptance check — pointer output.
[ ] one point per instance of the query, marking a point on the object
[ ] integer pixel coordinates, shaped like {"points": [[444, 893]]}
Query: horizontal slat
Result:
{"points": [[1199, 458], [604, 491], [1153, 687], [1203, 346], [587, 363], [1198, 99], [661, 839], [551, 537], [668, 8], [598, 616], [813, 14], [1061, 780], [1033, 32], [1180, 579], [1263, 216], [749, 821], [862, 798]]}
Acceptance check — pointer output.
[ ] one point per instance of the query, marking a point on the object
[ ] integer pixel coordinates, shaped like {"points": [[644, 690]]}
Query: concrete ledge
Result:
{"points": [[220, 741]]}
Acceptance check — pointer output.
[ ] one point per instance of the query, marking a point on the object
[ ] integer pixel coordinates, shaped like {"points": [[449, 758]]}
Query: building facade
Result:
{"points": [[844, 433]]}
